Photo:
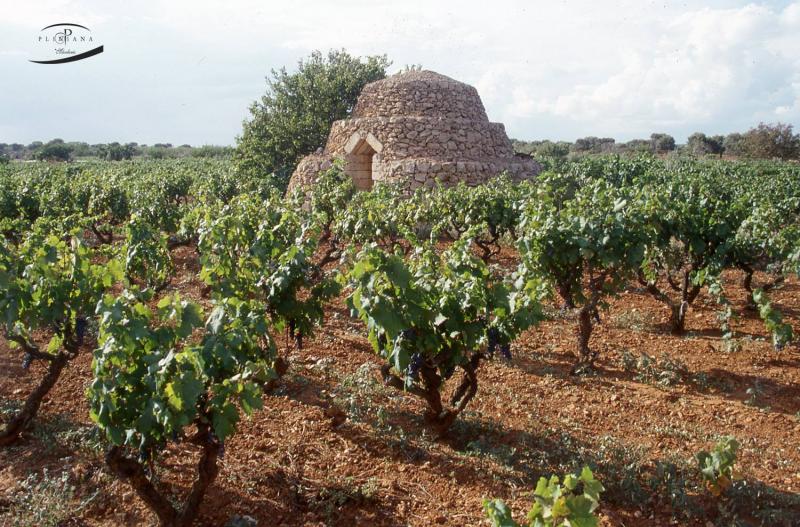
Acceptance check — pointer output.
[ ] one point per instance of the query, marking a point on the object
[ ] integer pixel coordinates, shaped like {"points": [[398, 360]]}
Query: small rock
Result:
{"points": [[336, 415], [242, 521]]}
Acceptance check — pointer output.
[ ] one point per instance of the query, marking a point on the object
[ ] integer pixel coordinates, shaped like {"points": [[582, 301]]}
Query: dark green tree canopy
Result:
{"points": [[294, 117], [700, 144], [594, 144], [117, 152], [662, 143], [55, 150], [735, 144]]}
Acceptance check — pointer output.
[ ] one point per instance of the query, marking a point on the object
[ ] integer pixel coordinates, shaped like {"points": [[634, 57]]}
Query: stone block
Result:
{"points": [[419, 115]]}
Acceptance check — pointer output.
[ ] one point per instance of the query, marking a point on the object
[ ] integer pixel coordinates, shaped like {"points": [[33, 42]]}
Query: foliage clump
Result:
{"points": [[294, 116], [571, 503]]}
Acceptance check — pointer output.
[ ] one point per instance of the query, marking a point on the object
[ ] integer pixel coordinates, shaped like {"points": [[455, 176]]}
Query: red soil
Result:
{"points": [[300, 462]]}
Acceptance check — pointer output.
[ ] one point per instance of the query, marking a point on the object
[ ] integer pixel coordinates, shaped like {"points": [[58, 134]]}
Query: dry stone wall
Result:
{"points": [[415, 173], [417, 129], [308, 169], [421, 94], [432, 137]]}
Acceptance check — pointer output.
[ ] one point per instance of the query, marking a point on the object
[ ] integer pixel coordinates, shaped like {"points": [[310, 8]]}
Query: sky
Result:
{"points": [[186, 71]]}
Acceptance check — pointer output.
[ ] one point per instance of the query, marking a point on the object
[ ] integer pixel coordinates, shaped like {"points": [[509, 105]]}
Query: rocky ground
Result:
{"points": [[332, 446]]}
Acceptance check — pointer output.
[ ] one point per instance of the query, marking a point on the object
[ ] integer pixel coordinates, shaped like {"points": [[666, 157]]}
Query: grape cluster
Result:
{"points": [[27, 359], [493, 336], [408, 334], [295, 334], [415, 365], [81, 324]]}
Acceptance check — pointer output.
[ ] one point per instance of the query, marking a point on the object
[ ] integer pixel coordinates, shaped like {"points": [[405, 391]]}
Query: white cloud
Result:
{"points": [[185, 71], [707, 69]]}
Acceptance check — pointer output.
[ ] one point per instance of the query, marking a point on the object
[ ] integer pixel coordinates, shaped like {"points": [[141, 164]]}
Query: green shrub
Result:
{"points": [[556, 504], [717, 467]]}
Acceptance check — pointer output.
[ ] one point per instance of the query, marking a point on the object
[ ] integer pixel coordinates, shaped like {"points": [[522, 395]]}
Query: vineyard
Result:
{"points": [[613, 343]]}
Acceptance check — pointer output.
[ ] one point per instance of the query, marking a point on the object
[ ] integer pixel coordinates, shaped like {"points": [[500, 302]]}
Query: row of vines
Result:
{"points": [[443, 280]]}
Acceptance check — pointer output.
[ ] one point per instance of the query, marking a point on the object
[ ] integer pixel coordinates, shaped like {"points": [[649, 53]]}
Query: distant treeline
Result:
{"points": [[60, 150], [765, 141]]}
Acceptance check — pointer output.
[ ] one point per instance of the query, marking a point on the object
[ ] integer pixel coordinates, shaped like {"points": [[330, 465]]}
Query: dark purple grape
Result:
{"points": [[221, 454], [27, 359], [295, 334], [493, 337], [505, 351], [415, 365], [408, 334], [81, 324]]}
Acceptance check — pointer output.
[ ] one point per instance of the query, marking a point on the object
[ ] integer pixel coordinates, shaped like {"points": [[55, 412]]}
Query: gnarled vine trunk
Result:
{"points": [[688, 295], [439, 416], [132, 472], [491, 247], [23, 418], [747, 284], [280, 367], [104, 237], [585, 316], [564, 292], [584, 334], [678, 309]]}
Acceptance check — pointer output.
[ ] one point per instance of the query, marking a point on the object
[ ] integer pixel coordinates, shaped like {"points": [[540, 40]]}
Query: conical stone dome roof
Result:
{"points": [[418, 128], [422, 94]]}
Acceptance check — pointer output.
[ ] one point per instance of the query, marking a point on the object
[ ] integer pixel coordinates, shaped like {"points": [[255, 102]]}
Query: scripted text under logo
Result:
{"points": [[66, 42]]}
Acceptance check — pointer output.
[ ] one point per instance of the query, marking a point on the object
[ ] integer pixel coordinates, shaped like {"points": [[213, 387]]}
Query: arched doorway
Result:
{"points": [[362, 156]]}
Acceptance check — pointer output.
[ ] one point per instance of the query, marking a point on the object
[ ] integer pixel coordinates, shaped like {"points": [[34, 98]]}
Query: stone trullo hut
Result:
{"points": [[417, 128]]}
